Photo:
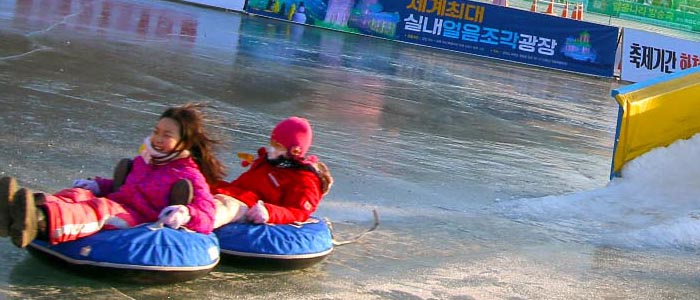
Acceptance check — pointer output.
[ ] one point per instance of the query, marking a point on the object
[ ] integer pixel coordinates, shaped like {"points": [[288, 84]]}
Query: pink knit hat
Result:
{"points": [[295, 134]]}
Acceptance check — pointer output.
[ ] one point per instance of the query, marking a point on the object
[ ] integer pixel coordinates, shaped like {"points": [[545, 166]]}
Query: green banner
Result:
{"points": [[682, 14]]}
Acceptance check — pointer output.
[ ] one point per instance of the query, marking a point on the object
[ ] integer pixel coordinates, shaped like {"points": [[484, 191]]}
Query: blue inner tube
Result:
{"points": [[275, 246], [147, 255]]}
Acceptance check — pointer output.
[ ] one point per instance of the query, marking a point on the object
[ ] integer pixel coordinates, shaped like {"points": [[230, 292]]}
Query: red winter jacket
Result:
{"points": [[290, 194]]}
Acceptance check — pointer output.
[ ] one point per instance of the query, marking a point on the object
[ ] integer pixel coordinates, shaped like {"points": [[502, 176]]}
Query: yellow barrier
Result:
{"points": [[655, 113]]}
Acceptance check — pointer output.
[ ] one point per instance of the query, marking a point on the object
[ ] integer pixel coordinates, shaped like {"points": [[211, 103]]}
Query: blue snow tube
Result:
{"points": [[275, 246], [137, 255]]}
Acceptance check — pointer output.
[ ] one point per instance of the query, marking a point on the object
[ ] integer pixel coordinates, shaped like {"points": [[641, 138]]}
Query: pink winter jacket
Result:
{"points": [[147, 191]]}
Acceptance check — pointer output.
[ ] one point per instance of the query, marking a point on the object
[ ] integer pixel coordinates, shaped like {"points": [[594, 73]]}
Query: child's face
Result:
{"points": [[165, 135], [276, 150]]}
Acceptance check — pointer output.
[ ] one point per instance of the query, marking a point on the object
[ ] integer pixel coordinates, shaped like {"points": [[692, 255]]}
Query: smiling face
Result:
{"points": [[165, 135]]}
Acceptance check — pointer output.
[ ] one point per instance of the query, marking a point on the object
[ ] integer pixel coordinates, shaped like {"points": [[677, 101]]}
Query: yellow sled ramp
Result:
{"points": [[655, 113]]}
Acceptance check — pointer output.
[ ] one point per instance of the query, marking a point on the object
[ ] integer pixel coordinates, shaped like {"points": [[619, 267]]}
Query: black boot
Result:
{"points": [[39, 199], [8, 188], [24, 227], [121, 171], [181, 193], [42, 220]]}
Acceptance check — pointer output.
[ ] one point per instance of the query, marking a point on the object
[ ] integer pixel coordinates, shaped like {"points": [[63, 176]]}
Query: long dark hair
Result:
{"points": [[194, 137]]}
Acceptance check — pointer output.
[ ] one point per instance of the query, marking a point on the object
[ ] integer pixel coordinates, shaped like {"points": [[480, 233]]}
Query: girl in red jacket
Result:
{"points": [[178, 148], [282, 186]]}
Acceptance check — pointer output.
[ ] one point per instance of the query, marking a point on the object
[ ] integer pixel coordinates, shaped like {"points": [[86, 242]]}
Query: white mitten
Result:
{"points": [[258, 213], [87, 184], [174, 216]]}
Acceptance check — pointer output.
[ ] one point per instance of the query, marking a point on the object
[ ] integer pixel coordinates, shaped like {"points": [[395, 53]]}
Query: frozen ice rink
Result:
{"points": [[490, 178]]}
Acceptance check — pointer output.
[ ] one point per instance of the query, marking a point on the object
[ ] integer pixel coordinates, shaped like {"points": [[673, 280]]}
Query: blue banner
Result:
{"points": [[464, 26]]}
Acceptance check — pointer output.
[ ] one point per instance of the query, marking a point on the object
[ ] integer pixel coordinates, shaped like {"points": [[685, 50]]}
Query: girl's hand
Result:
{"points": [[174, 216], [258, 213]]}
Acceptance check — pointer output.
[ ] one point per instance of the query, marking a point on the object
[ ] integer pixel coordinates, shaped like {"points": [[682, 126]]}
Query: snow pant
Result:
{"points": [[76, 213], [228, 210]]}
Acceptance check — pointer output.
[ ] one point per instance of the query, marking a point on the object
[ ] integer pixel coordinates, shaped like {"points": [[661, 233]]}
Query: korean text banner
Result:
{"points": [[465, 26], [683, 15], [647, 55]]}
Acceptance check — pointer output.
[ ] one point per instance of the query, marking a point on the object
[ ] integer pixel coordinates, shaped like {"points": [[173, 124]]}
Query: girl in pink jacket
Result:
{"points": [[178, 148]]}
